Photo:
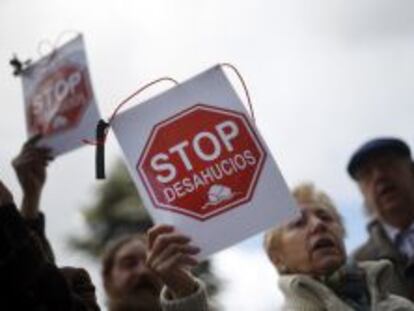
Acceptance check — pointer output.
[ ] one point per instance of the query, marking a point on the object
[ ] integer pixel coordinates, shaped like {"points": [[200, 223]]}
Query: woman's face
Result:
{"points": [[312, 243]]}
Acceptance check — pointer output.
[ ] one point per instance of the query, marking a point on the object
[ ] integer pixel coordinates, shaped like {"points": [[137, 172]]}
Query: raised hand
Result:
{"points": [[30, 167], [170, 257]]}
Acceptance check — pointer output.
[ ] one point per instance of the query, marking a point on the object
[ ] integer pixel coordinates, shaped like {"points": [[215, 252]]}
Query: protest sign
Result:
{"points": [[59, 100], [200, 164]]}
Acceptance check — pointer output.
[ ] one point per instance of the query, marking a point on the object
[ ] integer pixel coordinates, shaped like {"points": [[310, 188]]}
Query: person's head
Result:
{"points": [[129, 284], [312, 243], [384, 172]]}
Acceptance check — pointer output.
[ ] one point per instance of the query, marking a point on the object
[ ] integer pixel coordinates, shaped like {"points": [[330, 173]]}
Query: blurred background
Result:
{"points": [[324, 76]]}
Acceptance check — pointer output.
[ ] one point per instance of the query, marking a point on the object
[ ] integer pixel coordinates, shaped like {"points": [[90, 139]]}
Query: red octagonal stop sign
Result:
{"points": [[201, 162], [59, 101]]}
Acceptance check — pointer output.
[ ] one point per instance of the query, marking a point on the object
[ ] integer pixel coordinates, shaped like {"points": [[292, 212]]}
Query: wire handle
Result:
{"points": [[53, 46], [249, 101], [121, 104], [103, 127]]}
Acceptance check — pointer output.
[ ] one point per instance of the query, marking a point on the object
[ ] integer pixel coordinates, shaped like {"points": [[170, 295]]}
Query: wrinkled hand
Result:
{"points": [[30, 167], [5, 195], [170, 256]]}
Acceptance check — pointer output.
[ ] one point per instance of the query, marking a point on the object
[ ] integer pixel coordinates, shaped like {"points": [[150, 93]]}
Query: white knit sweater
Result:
{"points": [[304, 293], [195, 302]]}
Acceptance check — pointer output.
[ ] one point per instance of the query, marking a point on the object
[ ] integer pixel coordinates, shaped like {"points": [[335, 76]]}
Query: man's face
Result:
{"points": [[130, 281], [386, 181], [312, 243]]}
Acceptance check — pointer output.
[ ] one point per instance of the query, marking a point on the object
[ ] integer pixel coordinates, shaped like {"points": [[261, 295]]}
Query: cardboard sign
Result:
{"points": [[200, 164], [59, 100]]}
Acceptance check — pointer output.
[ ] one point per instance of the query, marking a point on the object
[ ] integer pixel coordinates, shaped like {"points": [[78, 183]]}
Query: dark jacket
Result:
{"points": [[37, 227], [379, 246], [82, 289], [28, 278]]}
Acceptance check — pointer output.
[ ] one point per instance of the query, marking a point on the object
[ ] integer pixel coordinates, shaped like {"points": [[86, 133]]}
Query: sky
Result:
{"points": [[324, 76]]}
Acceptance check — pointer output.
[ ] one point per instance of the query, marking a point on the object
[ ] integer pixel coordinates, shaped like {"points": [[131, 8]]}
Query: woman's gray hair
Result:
{"points": [[304, 193]]}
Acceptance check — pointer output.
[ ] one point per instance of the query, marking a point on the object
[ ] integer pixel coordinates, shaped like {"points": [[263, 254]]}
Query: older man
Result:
{"points": [[149, 273], [384, 172]]}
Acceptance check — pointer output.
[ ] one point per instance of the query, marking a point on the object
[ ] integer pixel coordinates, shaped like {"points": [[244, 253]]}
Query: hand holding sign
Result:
{"points": [[30, 167], [169, 256]]}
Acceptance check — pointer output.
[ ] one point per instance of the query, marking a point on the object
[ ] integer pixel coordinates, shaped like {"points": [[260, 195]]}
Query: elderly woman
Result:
{"points": [[310, 256]]}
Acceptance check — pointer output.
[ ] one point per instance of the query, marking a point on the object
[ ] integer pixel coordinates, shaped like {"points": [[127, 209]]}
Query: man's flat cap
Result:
{"points": [[374, 147]]}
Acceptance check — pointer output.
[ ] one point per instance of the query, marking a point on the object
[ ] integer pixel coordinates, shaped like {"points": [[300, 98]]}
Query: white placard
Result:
{"points": [[59, 99], [200, 165]]}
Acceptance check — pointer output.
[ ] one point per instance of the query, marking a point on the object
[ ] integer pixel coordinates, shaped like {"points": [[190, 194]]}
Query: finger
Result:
{"points": [[175, 261], [22, 158], [155, 259], [32, 157], [155, 231], [31, 163], [41, 152], [46, 151], [45, 157], [32, 141], [166, 239], [163, 267], [25, 157]]}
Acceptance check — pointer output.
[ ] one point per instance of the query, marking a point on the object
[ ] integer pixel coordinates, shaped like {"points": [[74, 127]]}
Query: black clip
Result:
{"points": [[18, 65], [100, 149]]}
